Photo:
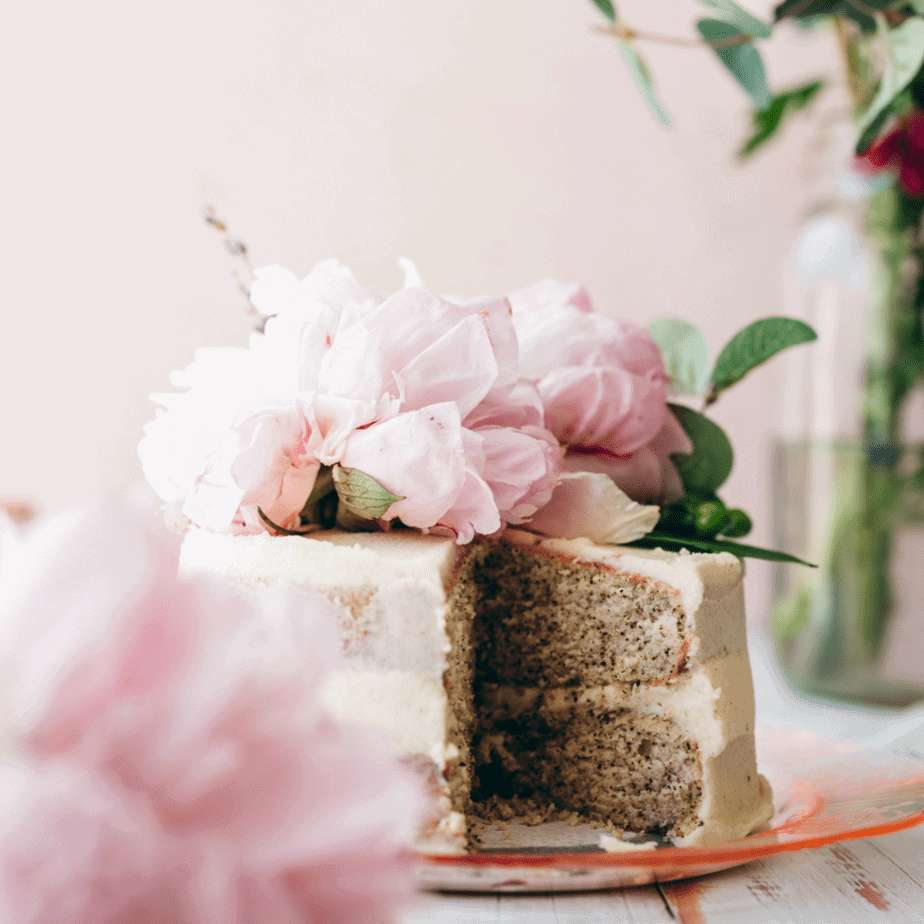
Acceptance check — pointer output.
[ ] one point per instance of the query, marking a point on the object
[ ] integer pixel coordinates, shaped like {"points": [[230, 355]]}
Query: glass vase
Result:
{"points": [[848, 473], [852, 628]]}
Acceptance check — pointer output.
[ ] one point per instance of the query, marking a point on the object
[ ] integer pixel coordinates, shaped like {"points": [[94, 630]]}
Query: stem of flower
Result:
{"points": [[628, 34], [243, 268], [310, 528]]}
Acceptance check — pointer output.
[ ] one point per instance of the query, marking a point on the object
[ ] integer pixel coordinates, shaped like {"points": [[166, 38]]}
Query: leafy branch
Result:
{"points": [[627, 33], [699, 519], [732, 34]]}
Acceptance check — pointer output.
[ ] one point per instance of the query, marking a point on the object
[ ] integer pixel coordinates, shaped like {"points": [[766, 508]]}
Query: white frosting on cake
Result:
{"points": [[393, 592]]}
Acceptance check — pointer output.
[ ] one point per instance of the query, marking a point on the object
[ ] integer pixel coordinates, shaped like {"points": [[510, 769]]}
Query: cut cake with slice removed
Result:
{"points": [[535, 679]]}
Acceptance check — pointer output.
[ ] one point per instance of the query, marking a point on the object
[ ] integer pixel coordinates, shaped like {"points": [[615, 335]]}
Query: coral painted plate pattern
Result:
{"points": [[846, 793]]}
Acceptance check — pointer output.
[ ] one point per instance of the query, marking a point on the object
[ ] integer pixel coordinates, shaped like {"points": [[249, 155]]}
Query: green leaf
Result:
{"points": [[640, 72], [705, 469], [754, 345], [675, 544], [729, 11], [905, 49], [353, 523], [801, 9], [868, 134], [362, 495], [765, 122], [686, 356], [743, 61], [606, 7]]}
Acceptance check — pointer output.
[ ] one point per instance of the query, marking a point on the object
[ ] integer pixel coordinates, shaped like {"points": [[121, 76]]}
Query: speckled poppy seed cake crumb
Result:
{"points": [[526, 622]]}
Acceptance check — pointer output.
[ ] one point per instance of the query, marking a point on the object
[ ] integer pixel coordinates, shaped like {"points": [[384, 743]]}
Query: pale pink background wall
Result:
{"points": [[494, 141]]}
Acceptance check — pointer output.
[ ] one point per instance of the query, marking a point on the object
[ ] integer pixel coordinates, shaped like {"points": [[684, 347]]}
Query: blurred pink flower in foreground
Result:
{"points": [[603, 387], [167, 759]]}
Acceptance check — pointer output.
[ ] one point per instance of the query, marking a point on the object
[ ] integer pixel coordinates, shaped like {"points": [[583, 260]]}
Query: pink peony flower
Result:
{"points": [[603, 387], [167, 756], [234, 441], [397, 388]]}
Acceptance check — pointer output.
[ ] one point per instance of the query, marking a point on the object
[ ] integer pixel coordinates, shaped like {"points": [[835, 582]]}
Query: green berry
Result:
{"points": [[709, 517], [676, 519], [737, 524]]}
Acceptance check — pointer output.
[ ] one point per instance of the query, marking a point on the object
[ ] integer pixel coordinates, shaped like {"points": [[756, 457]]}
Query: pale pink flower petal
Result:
{"points": [[499, 317], [521, 468], [602, 381], [409, 321], [228, 441], [647, 474], [640, 475], [412, 277], [276, 470], [331, 420], [588, 505], [551, 295], [413, 319], [474, 510], [461, 366], [606, 407], [180, 441], [334, 284], [334, 364], [520, 407], [356, 366], [277, 291], [419, 456], [632, 348], [287, 357], [556, 332], [173, 759], [74, 847]]}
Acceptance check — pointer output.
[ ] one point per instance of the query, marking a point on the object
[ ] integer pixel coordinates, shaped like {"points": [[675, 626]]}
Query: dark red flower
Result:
{"points": [[902, 150]]}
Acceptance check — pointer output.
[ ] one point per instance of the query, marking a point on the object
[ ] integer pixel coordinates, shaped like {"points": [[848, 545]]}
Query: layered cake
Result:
{"points": [[462, 477], [536, 679]]}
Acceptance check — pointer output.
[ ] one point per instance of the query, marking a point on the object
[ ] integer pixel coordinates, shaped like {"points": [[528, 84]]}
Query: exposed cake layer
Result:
{"points": [[552, 624], [709, 585], [710, 708], [633, 771]]}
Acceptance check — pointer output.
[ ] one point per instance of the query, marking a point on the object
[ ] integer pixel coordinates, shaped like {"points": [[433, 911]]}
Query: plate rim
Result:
{"points": [[735, 852]]}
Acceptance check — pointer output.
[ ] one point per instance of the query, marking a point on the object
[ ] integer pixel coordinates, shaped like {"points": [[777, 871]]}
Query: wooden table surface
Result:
{"points": [[880, 879]]}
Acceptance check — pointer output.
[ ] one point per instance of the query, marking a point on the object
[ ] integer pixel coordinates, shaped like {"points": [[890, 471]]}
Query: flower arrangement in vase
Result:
{"points": [[851, 491]]}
